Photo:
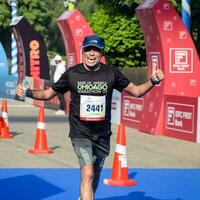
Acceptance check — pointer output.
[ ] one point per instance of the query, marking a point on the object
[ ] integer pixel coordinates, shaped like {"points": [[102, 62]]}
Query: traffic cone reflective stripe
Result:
{"points": [[5, 117], [40, 146], [120, 149], [5, 133], [41, 139], [120, 165], [41, 125]]}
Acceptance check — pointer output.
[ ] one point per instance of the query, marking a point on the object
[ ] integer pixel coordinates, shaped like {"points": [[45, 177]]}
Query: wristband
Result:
{"points": [[153, 81], [29, 93]]}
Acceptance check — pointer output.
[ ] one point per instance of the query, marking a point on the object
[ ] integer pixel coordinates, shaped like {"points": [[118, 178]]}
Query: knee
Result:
{"points": [[87, 173]]}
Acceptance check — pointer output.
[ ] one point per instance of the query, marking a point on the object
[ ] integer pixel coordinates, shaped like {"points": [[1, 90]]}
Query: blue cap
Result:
{"points": [[93, 40]]}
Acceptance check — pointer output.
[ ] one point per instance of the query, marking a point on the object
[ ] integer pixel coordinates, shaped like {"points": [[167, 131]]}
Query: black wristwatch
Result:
{"points": [[29, 93], [154, 82]]}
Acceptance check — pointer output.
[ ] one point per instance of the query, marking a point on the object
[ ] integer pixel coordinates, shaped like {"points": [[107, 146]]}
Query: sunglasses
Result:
{"points": [[90, 48]]}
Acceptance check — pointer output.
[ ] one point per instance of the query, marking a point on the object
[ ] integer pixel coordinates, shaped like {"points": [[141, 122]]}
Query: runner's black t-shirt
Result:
{"points": [[91, 94]]}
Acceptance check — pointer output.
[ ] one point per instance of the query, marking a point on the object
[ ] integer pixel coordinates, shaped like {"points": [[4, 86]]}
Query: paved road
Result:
{"points": [[143, 150]]}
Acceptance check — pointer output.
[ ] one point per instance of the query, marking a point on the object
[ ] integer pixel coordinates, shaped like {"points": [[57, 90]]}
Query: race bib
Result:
{"points": [[92, 108]]}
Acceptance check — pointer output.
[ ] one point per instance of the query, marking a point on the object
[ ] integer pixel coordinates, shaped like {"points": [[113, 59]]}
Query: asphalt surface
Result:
{"points": [[143, 150]]}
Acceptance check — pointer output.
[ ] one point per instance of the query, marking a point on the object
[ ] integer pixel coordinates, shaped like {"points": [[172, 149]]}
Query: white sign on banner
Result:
{"points": [[180, 117], [116, 107], [181, 60]]}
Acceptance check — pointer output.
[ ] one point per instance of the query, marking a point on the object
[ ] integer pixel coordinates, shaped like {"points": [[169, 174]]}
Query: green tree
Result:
{"points": [[195, 23], [4, 23], [116, 22], [87, 7], [124, 39], [42, 15]]}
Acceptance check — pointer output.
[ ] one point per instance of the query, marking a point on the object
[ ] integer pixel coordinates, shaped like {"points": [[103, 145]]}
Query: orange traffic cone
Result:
{"points": [[40, 146], [5, 133], [120, 168], [1, 123]]}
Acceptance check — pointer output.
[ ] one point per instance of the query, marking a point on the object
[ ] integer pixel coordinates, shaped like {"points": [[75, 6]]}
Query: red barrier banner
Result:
{"points": [[169, 47]]}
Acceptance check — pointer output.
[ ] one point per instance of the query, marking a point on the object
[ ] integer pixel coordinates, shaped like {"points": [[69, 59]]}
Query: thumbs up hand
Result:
{"points": [[157, 76]]}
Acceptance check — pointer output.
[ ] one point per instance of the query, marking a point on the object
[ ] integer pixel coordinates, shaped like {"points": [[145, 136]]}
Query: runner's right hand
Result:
{"points": [[19, 90]]}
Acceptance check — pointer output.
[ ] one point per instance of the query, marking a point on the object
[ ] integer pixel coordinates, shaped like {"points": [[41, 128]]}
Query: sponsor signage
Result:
{"points": [[8, 86], [180, 117], [181, 60], [132, 109], [32, 51]]}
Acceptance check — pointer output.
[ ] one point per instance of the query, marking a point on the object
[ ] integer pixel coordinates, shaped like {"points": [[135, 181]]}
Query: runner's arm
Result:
{"points": [[138, 91], [36, 94]]}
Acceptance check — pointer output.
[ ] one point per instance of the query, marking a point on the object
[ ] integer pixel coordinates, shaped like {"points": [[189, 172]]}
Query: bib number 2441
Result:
{"points": [[92, 108]]}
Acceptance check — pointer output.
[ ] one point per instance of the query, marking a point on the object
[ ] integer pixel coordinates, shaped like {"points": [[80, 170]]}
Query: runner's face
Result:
{"points": [[91, 56]]}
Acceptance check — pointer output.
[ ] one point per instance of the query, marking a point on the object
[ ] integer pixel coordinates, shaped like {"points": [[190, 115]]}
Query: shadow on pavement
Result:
{"points": [[134, 196], [26, 187]]}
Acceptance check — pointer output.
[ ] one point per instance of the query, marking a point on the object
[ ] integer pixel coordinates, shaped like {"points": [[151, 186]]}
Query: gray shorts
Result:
{"points": [[91, 152]]}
